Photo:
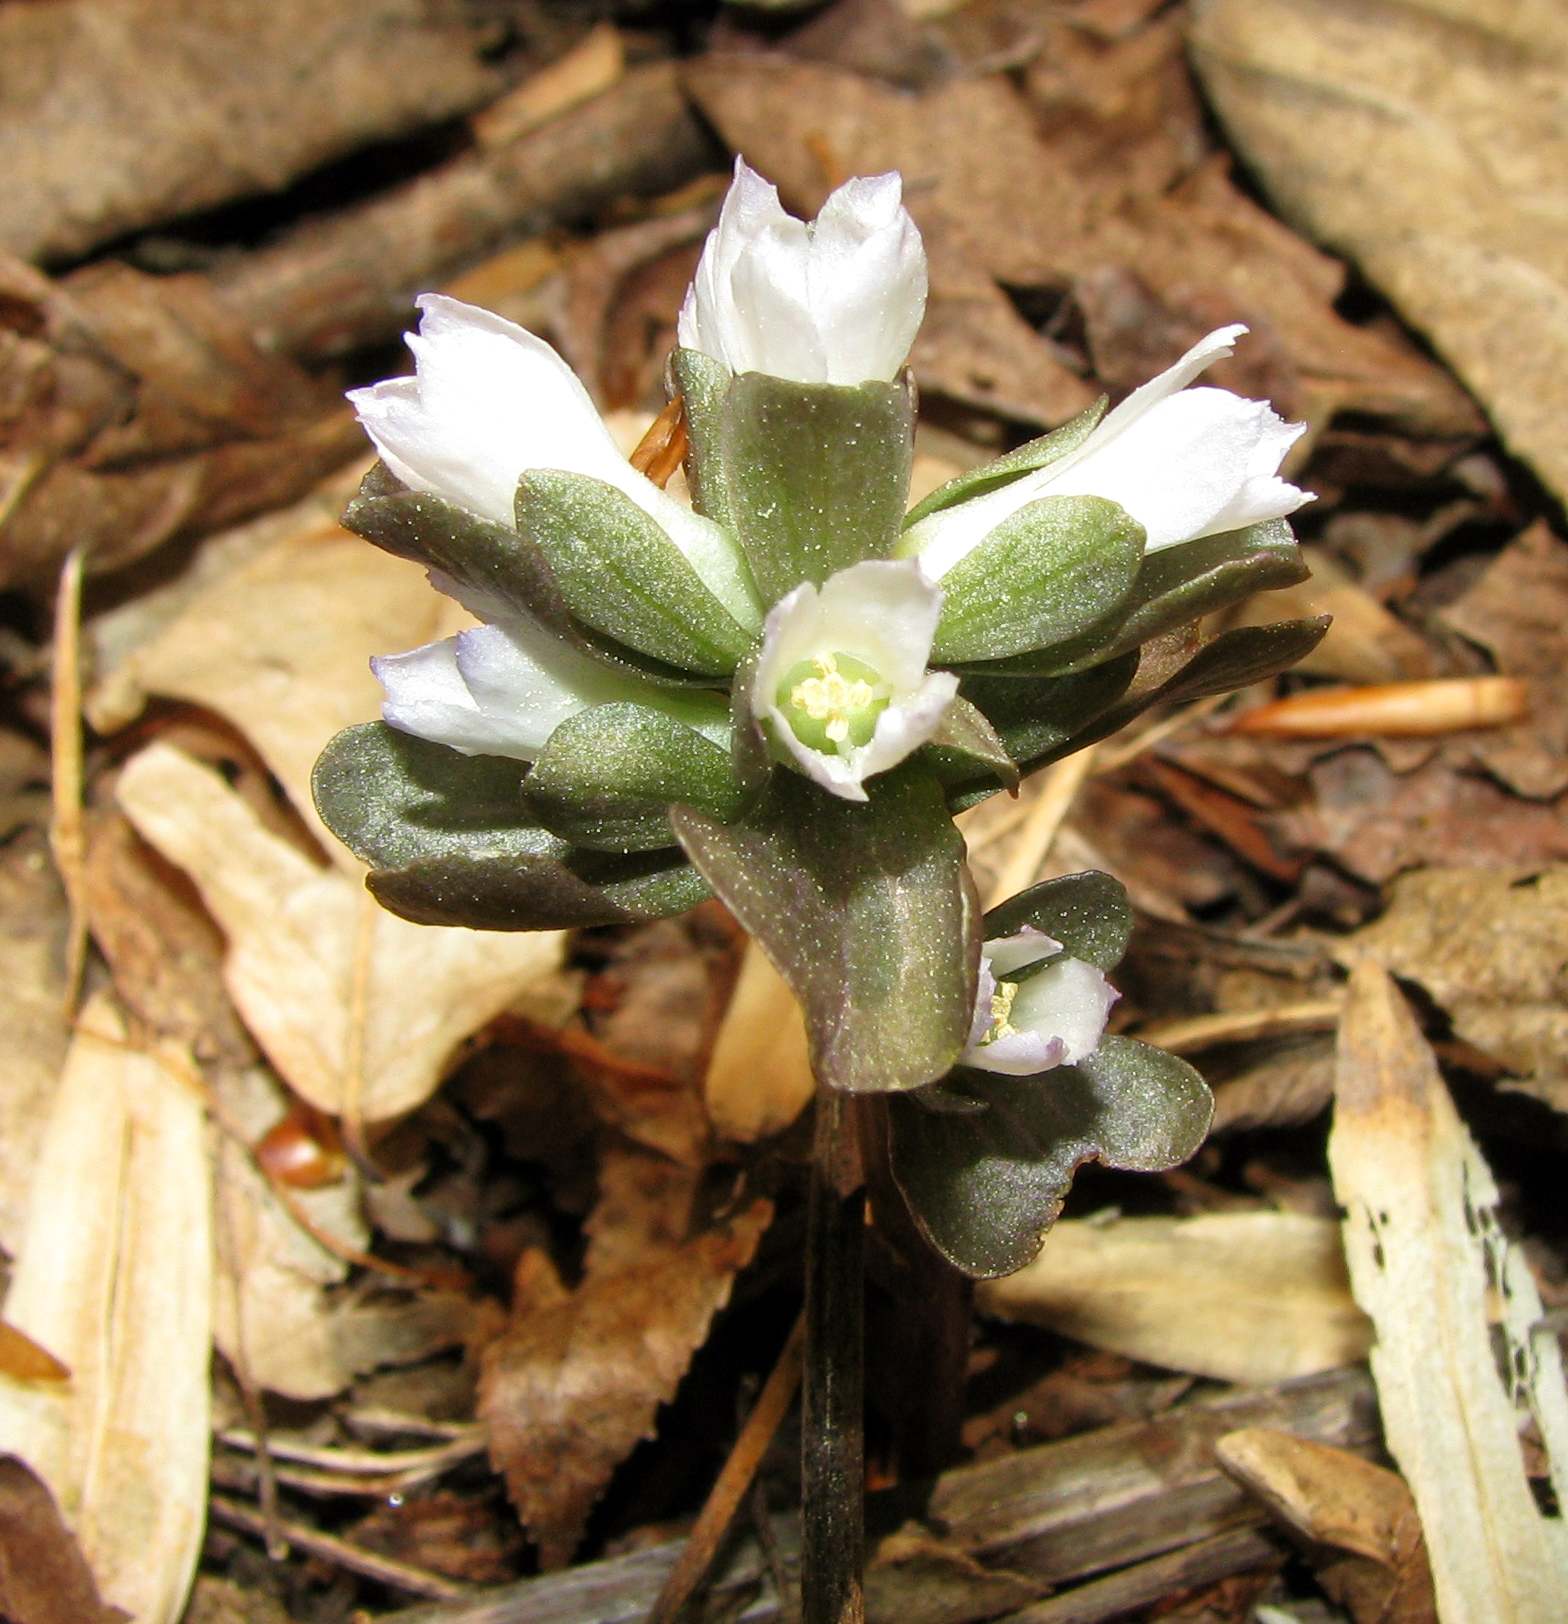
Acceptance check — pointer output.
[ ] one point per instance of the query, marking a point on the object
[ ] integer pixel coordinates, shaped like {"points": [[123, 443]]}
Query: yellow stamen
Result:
{"points": [[1001, 1011]]}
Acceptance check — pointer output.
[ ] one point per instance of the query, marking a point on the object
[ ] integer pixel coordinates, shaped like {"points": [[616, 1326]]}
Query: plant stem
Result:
{"points": [[832, 1434]]}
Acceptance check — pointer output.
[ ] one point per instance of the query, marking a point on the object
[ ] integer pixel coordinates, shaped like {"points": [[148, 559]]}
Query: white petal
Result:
{"points": [[490, 401], [836, 302], [497, 690], [1009, 954], [1060, 1017], [1183, 462]]}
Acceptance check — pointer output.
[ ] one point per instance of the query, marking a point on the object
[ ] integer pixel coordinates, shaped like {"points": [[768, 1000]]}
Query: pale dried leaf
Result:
{"points": [[1431, 1266], [1240, 1296], [300, 938], [759, 1079], [115, 1280], [1425, 139], [33, 1029], [280, 646]]}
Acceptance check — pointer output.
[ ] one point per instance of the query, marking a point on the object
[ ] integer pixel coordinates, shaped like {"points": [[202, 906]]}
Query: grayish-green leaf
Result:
{"points": [[1036, 717], [494, 891], [1088, 913], [1042, 575], [816, 474], [392, 799], [965, 737], [495, 572], [1178, 585], [1027, 459], [623, 576], [704, 384], [607, 777], [986, 1186], [868, 913]]}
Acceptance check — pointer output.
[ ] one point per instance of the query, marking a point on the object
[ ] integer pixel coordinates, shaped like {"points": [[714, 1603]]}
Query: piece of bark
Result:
{"points": [[1377, 1562], [137, 409], [339, 283], [1083, 1506], [1460, 1361], [119, 114]]}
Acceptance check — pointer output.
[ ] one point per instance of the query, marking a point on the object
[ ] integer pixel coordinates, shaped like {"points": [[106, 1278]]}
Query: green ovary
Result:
{"points": [[832, 702]]}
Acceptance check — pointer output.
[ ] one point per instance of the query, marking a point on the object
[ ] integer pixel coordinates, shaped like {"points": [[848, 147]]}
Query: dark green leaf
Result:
{"points": [[1178, 585], [1234, 659], [966, 737], [606, 778], [491, 568], [393, 799], [816, 474], [496, 891], [1025, 460], [623, 576], [704, 383], [1042, 575], [1087, 913], [1036, 716], [985, 1187], [867, 911]]}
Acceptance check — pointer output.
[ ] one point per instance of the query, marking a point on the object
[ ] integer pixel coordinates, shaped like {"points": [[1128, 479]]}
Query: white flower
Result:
{"points": [[838, 301], [1055, 1018], [1183, 462], [842, 682], [489, 401]]}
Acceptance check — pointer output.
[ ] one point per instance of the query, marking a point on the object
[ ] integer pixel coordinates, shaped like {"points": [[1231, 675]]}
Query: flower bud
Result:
{"points": [[1055, 1017], [837, 301]]}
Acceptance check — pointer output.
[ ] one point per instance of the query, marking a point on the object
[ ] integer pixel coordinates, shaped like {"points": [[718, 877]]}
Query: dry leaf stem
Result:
{"points": [[67, 838], [399, 1575], [733, 1481], [833, 1535]]}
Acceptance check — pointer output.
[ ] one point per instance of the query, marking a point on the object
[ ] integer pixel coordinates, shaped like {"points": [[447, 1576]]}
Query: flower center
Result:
{"points": [[1001, 1010], [833, 701]]}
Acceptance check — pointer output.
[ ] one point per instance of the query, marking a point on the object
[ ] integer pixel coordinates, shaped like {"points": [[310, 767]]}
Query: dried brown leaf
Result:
{"points": [[320, 974], [1431, 1266], [759, 1079], [1490, 946], [575, 1381], [1426, 140], [980, 170], [44, 1578], [1378, 822], [1518, 612], [1329, 1496], [1242, 1296]]}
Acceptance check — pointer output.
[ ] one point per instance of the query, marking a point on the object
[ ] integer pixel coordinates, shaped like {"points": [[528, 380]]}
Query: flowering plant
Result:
{"points": [[783, 693]]}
